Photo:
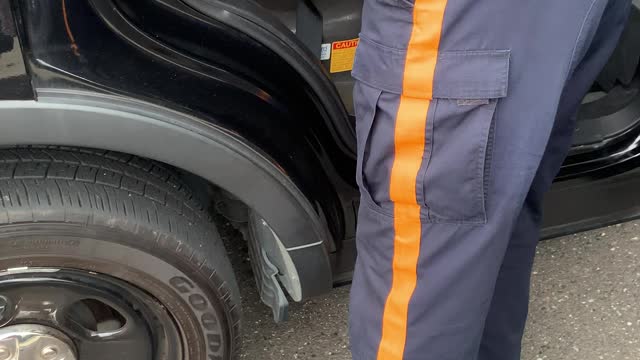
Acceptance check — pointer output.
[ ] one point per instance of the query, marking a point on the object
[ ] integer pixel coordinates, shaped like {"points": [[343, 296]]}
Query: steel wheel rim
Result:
{"points": [[103, 317]]}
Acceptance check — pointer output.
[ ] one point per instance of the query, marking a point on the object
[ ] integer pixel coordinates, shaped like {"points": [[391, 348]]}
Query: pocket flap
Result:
{"points": [[481, 74], [472, 74]]}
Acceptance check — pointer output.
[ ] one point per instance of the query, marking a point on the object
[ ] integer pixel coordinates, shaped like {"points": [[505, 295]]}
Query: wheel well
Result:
{"points": [[204, 154], [219, 206]]}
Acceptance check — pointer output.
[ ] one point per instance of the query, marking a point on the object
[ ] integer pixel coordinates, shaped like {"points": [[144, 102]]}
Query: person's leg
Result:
{"points": [[455, 105], [509, 307]]}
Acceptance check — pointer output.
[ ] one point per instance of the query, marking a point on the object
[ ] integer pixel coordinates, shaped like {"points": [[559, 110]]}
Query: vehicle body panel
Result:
{"points": [[14, 81], [238, 69]]}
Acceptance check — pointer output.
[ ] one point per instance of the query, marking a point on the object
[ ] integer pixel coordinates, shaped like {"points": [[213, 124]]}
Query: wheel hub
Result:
{"points": [[65, 314], [34, 342]]}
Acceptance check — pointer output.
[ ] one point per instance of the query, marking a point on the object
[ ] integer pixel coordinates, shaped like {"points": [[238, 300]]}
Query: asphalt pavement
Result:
{"points": [[584, 306]]}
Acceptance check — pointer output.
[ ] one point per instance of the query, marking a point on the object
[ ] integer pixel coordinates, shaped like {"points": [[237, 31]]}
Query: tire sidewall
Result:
{"points": [[192, 292]]}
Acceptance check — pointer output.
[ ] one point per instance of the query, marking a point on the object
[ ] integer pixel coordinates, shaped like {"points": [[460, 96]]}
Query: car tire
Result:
{"points": [[117, 224]]}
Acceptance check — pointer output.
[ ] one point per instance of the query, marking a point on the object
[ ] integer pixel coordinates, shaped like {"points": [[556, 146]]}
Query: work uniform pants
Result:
{"points": [[465, 111]]}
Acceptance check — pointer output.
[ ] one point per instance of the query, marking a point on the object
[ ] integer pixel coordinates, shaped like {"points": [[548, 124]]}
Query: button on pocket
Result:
{"points": [[454, 174]]}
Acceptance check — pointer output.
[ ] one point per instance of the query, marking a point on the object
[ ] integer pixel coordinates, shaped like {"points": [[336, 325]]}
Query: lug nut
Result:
{"points": [[49, 352], [5, 353]]}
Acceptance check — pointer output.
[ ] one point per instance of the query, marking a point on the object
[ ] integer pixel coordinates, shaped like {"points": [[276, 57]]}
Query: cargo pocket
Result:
{"points": [[375, 104], [455, 171], [451, 185]]}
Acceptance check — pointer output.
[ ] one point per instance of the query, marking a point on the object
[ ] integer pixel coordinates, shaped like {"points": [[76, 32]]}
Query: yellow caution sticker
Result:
{"points": [[342, 55]]}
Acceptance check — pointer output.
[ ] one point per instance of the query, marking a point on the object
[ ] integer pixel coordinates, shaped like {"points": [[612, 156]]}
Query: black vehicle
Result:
{"points": [[127, 125]]}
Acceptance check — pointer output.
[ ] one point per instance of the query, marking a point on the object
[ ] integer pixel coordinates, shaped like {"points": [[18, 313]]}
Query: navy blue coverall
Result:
{"points": [[465, 111]]}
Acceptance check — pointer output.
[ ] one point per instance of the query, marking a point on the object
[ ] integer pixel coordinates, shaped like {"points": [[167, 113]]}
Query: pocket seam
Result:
{"points": [[405, 4], [482, 150], [488, 160], [426, 160], [399, 51], [364, 190]]}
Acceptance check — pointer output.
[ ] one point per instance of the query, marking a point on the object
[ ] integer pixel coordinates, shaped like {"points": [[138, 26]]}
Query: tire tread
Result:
{"points": [[106, 188]]}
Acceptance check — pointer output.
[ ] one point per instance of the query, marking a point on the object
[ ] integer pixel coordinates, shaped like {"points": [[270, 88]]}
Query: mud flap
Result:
{"points": [[265, 274], [272, 268]]}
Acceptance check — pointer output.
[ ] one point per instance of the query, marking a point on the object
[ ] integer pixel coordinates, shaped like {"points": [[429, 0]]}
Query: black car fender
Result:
{"points": [[86, 119]]}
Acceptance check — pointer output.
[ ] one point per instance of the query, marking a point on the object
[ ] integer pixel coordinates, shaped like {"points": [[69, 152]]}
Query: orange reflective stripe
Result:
{"points": [[409, 141], [410, 128]]}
